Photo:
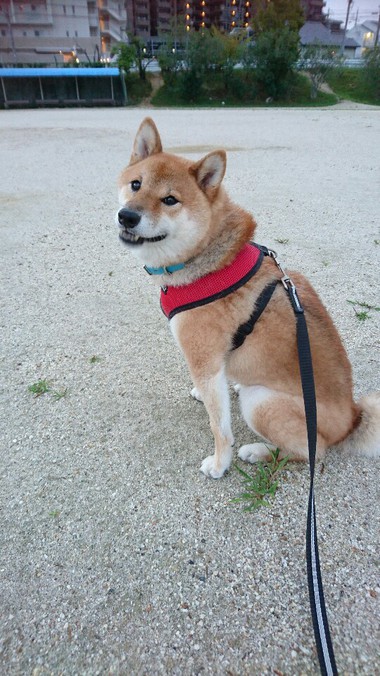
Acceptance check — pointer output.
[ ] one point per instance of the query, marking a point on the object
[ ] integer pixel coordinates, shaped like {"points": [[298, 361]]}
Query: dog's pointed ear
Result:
{"points": [[210, 170], [147, 141]]}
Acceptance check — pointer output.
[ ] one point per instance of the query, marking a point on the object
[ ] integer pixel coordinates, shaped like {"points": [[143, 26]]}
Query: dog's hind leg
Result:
{"points": [[279, 419]]}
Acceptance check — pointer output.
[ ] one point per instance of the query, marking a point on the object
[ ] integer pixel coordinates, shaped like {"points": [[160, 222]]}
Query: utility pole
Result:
{"points": [[349, 3], [175, 24], [377, 30]]}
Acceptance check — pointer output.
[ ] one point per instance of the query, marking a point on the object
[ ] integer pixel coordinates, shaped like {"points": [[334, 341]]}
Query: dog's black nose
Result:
{"points": [[128, 218]]}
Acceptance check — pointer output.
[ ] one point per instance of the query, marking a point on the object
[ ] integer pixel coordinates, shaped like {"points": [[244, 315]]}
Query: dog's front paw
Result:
{"points": [[196, 395], [211, 469]]}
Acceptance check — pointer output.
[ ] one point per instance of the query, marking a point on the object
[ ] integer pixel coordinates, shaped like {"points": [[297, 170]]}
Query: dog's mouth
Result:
{"points": [[131, 238]]}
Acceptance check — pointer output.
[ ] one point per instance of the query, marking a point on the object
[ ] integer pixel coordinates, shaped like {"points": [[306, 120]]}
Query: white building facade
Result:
{"points": [[365, 34], [55, 31]]}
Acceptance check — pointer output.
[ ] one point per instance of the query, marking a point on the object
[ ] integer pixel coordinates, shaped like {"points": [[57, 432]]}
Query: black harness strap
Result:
{"points": [[245, 329]]}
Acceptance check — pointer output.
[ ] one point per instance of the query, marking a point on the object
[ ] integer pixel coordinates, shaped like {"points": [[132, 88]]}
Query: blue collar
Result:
{"points": [[166, 269]]}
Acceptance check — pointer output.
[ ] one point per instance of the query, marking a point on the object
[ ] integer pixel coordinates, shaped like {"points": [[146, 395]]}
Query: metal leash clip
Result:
{"points": [[287, 283]]}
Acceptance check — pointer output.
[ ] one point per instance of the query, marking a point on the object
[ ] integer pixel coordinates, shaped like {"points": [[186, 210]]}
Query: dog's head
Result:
{"points": [[168, 203]]}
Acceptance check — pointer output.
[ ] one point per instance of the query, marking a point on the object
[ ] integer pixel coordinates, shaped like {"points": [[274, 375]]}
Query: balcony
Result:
{"points": [[39, 17], [112, 9], [110, 29]]}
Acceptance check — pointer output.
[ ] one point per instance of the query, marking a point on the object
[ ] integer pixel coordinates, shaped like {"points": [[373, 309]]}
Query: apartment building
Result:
{"points": [[55, 31], [151, 18]]}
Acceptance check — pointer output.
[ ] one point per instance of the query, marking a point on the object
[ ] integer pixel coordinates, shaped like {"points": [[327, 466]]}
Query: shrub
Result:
{"points": [[137, 89], [371, 73], [275, 53]]}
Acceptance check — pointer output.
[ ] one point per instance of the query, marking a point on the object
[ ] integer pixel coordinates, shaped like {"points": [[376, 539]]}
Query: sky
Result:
{"points": [[366, 9]]}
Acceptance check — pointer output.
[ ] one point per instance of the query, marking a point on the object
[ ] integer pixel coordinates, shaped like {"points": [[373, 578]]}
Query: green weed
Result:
{"points": [[281, 241], [44, 387], [262, 484], [94, 359], [40, 387], [363, 314], [59, 394]]}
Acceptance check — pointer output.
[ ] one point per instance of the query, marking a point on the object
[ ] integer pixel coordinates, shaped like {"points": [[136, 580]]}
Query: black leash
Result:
{"points": [[317, 601]]}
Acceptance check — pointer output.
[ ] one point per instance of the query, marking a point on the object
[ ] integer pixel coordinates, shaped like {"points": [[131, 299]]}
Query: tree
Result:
{"points": [[193, 60], [126, 56], [132, 53], [141, 59], [317, 61], [276, 14], [275, 53], [276, 26]]}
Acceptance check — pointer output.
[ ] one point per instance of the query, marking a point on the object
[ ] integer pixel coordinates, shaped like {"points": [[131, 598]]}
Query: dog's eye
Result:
{"points": [[135, 185], [170, 200]]}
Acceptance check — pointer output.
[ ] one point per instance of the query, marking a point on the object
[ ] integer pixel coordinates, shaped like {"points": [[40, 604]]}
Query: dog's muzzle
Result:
{"points": [[128, 220]]}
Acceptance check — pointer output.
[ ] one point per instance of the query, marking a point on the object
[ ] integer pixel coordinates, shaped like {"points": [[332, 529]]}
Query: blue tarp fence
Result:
{"points": [[24, 87]]}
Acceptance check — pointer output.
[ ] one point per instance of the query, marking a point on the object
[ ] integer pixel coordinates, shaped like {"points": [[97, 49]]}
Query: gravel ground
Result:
{"points": [[117, 555]]}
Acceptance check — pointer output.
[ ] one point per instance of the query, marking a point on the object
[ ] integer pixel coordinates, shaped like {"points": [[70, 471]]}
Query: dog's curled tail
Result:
{"points": [[365, 438]]}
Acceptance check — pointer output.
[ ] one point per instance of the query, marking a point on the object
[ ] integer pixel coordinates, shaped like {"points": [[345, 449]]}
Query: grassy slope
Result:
{"points": [[347, 83]]}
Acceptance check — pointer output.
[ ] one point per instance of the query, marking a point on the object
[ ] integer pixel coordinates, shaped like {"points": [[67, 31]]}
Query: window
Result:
{"points": [[64, 9], [67, 34], [76, 34], [36, 33], [73, 8], [93, 31]]}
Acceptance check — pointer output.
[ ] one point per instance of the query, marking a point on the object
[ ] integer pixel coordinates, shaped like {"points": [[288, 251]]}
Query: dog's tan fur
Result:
{"points": [[205, 230]]}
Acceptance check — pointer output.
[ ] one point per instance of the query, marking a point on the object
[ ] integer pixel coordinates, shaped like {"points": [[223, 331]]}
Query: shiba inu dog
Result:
{"points": [[230, 314]]}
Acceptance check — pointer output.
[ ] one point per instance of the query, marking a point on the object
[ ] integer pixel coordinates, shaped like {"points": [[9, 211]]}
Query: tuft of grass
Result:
{"points": [[40, 387], [59, 394], [363, 313], [94, 359], [281, 241], [44, 387], [263, 484]]}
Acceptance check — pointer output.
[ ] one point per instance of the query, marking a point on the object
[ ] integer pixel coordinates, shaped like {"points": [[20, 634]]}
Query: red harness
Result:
{"points": [[213, 286]]}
